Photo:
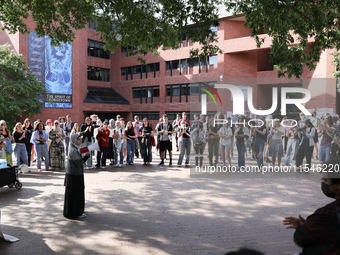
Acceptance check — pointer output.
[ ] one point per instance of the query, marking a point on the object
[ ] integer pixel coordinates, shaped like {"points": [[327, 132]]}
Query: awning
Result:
{"points": [[100, 95]]}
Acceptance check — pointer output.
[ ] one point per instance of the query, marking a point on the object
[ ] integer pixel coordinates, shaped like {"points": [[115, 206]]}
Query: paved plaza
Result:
{"points": [[157, 210]]}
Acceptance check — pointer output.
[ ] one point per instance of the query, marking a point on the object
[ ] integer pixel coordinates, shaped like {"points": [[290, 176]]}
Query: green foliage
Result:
{"points": [[146, 25], [291, 23], [20, 90], [336, 63]]}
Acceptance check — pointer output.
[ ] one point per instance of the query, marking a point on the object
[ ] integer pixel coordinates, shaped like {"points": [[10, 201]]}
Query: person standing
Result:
{"points": [[186, 143], [327, 137], [57, 149], [198, 140], [86, 130], [20, 148], [316, 123], [28, 129], [48, 128], [131, 136], [275, 145], [175, 128], [67, 127], [7, 134], [103, 141], [214, 139], [225, 135], [241, 134], [74, 202], [118, 144], [137, 124], [306, 145], [260, 141], [165, 135], [293, 144], [39, 139], [110, 153], [146, 133]]}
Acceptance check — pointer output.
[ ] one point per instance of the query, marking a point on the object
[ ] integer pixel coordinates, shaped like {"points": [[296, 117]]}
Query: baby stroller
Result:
{"points": [[9, 177]]}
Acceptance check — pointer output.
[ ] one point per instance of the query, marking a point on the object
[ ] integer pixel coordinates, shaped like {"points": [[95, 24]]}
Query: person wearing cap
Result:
{"points": [[307, 134], [57, 149], [67, 127]]}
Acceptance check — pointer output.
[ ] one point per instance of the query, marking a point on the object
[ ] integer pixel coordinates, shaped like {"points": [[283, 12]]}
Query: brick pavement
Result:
{"points": [[157, 210]]}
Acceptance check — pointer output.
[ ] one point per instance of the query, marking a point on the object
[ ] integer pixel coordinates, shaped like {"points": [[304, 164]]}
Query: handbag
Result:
{"points": [[153, 141]]}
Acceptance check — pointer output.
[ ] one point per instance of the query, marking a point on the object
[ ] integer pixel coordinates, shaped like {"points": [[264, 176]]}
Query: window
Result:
{"points": [[96, 49], [137, 69], [212, 60], [185, 91], [145, 92], [92, 25], [214, 29], [176, 89], [136, 93], [203, 61], [98, 74], [125, 49], [192, 62], [194, 89], [184, 63], [148, 115]]}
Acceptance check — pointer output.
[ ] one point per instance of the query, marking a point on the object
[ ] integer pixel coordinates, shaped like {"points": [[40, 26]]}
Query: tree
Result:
{"points": [[283, 19], [144, 24], [20, 90]]}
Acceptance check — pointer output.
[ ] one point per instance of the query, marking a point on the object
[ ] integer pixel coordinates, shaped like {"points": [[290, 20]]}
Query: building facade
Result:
{"points": [[108, 84]]}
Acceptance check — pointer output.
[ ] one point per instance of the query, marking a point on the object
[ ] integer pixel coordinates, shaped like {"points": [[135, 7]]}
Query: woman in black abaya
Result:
{"points": [[74, 203]]}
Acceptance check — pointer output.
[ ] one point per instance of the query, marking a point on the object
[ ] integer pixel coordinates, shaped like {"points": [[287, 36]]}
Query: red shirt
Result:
{"points": [[103, 134]]}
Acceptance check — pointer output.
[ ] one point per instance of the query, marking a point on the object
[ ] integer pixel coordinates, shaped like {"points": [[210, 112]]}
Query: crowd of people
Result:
{"points": [[118, 141]]}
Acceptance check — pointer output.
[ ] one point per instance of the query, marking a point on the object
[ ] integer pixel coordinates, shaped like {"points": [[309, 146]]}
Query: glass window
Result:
{"points": [[214, 29], [213, 60], [96, 49], [150, 67], [203, 61], [168, 67], [175, 64], [157, 67], [175, 90], [194, 89], [192, 62], [144, 92], [185, 91], [168, 91], [98, 74], [137, 69], [136, 93], [184, 63], [123, 71], [156, 91]]}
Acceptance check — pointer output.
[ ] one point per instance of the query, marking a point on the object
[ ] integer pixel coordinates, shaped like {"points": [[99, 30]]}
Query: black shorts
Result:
{"points": [[166, 145]]}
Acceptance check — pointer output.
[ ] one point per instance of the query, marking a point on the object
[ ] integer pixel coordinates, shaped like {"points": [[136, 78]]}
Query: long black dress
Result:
{"points": [[74, 203]]}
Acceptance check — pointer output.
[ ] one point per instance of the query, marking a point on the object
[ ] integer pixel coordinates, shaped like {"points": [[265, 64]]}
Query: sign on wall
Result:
{"points": [[53, 65]]}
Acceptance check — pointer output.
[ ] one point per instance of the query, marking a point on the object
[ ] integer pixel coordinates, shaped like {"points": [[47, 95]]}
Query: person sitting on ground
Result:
{"points": [[319, 234]]}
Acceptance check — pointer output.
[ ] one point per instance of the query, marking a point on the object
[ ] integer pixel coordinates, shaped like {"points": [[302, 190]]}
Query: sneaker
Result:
{"points": [[144, 164], [103, 167], [39, 169], [161, 164], [119, 165], [46, 168], [148, 164], [178, 165], [170, 164], [186, 165], [116, 165], [111, 163]]}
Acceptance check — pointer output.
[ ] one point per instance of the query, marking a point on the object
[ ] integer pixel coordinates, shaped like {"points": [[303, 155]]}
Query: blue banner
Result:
{"points": [[58, 74]]}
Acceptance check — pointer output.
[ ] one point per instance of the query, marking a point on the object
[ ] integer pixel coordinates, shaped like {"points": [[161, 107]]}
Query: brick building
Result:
{"points": [[114, 83]]}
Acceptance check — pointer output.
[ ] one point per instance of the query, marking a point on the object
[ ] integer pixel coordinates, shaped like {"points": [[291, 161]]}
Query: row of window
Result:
{"points": [[98, 74], [143, 92], [96, 49], [190, 62], [154, 67]]}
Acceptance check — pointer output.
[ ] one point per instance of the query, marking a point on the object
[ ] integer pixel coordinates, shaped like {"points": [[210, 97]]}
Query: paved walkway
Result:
{"points": [[157, 210]]}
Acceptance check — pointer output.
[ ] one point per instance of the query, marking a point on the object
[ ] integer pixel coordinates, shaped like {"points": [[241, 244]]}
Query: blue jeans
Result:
{"points": [[130, 146], [241, 149], [21, 153], [42, 148], [258, 148], [324, 153], [103, 150], [292, 147], [121, 154], [84, 144], [186, 144]]}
